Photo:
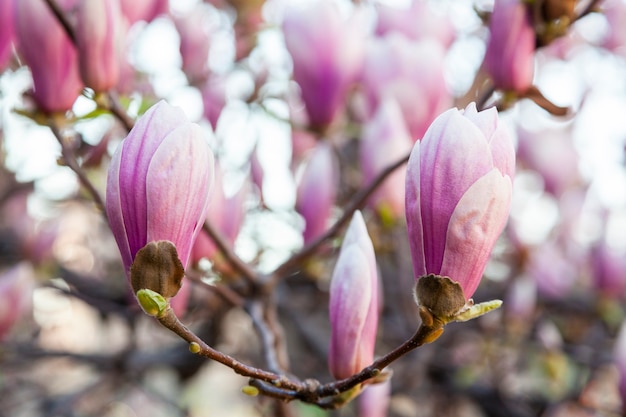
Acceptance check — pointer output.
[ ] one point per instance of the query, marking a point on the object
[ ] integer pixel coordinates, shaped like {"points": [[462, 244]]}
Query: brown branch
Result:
{"points": [[169, 320], [279, 386], [357, 201]]}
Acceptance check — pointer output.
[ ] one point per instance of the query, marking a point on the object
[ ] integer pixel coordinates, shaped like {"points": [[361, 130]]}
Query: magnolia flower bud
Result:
{"points": [[509, 58], [353, 303], [7, 31], [49, 53], [147, 10], [317, 190], [99, 42], [385, 141], [458, 195], [158, 186], [327, 54]]}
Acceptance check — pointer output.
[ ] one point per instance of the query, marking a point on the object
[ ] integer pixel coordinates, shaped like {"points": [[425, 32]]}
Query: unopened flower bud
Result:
{"points": [[353, 303], [458, 196]]}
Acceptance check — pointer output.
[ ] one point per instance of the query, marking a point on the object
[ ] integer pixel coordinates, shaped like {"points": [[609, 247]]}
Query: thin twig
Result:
{"points": [[311, 391], [58, 13], [110, 102], [243, 268], [357, 201], [169, 320], [223, 291], [72, 163], [269, 338]]}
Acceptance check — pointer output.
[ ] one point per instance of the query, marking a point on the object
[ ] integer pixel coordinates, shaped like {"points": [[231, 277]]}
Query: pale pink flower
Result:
{"points": [[418, 21], [327, 52], [353, 303], [385, 140], [458, 194], [404, 69], [317, 190], [99, 39], [510, 54], [158, 185], [49, 53]]}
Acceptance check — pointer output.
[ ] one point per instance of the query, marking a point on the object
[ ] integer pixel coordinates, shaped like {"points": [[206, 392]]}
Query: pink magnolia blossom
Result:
{"points": [[195, 30], [7, 31], [214, 98], [327, 52], [418, 21], [225, 213], [353, 303], [49, 53], [615, 39], [147, 10], [404, 69], [509, 58], [374, 400], [16, 287], [158, 185], [317, 190], [608, 265], [619, 358], [99, 41], [385, 140], [458, 194], [550, 151]]}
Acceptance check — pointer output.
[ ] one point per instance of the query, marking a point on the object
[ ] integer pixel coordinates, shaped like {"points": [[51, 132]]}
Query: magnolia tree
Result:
{"points": [[283, 214]]}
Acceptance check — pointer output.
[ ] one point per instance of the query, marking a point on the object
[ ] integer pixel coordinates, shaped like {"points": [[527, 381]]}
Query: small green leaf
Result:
{"points": [[477, 310], [152, 303], [250, 390]]}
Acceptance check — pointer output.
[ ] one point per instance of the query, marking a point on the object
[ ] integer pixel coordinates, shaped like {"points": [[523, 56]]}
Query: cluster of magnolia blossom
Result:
{"points": [[446, 172], [458, 196]]}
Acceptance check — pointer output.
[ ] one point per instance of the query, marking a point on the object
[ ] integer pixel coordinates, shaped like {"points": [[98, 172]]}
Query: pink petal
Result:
{"points": [[474, 227]]}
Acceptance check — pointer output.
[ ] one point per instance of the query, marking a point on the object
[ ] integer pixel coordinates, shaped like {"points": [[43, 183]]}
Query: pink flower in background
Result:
{"points": [[619, 357], [385, 140], [404, 69], [147, 10], [225, 213], [214, 98], [195, 30], [510, 54], [458, 194], [317, 190], [353, 303], [550, 151], [374, 400], [615, 12], [327, 52], [49, 53], [99, 39], [609, 269], [419, 21], [555, 271], [16, 288], [158, 185], [7, 31]]}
